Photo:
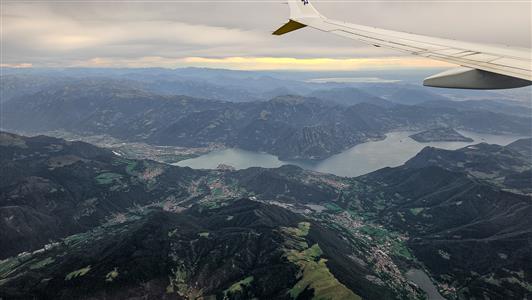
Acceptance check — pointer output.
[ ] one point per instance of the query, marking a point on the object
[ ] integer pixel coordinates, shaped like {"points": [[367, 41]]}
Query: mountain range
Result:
{"points": [[78, 221], [291, 127]]}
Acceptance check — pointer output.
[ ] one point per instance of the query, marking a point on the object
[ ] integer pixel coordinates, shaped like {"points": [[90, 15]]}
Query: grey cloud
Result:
{"points": [[62, 33]]}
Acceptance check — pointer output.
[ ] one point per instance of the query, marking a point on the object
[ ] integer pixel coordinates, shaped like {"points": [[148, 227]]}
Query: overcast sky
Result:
{"points": [[237, 35]]}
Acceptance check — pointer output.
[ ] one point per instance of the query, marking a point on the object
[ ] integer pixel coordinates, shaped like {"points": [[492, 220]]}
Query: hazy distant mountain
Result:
{"points": [[290, 127], [14, 86], [414, 96], [349, 96], [489, 105], [230, 85], [119, 228], [216, 84]]}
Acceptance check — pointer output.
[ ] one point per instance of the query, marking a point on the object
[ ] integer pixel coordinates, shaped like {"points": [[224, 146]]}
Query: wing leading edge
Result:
{"points": [[482, 66]]}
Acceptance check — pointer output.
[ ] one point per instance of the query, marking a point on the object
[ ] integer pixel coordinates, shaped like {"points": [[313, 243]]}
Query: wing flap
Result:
{"points": [[288, 27]]}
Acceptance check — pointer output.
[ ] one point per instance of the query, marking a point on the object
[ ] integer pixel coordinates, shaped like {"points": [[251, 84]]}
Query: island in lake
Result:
{"points": [[442, 134]]}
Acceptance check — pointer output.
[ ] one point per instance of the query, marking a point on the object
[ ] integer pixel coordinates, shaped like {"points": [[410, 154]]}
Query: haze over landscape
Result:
{"points": [[175, 150]]}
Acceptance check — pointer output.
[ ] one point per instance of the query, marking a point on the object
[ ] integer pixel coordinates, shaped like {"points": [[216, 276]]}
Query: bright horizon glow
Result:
{"points": [[256, 63], [313, 64]]}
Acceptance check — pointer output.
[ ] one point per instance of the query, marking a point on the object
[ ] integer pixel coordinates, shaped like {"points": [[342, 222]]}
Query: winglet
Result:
{"points": [[301, 11]]}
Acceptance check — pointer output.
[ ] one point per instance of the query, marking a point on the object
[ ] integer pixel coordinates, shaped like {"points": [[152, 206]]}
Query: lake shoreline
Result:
{"points": [[392, 151], [421, 279]]}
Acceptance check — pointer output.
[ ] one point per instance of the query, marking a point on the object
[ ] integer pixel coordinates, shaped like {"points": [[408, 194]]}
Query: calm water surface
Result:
{"points": [[423, 281], [393, 151]]}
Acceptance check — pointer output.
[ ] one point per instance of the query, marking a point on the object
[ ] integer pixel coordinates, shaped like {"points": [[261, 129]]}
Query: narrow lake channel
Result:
{"points": [[361, 159]]}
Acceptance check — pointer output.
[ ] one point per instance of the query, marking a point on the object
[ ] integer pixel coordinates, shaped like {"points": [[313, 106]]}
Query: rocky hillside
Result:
{"points": [[523, 146], [240, 251], [132, 225], [81, 222], [508, 167], [467, 213]]}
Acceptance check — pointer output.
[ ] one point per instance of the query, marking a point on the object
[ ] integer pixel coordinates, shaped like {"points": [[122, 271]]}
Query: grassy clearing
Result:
{"points": [[9, 265], [301, 230], [131, 165], [382, 236], [309, 254], [315, 273], [111, 275], [78, 273], [317, 276], [238, 287], [42, 263], [108, 178], [212, 203], [400, 249], [172, 233], [375, 232], [416, 211]]}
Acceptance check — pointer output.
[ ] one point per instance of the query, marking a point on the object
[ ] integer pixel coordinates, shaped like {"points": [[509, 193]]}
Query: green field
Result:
{"points": [[239, 286], [108, 178], [78, 273], [315, 274]]}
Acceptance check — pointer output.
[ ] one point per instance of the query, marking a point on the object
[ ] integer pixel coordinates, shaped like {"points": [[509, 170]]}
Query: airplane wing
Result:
{"points": [[482, 66]]}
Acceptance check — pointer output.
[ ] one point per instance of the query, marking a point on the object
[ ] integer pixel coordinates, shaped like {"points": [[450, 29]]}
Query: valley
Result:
{"points": [[314, 122], [217, 184], [363, 233]]}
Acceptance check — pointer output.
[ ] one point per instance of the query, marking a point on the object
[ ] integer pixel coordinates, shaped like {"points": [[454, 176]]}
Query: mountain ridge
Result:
{"points": [[290, 127], [364, 233]]}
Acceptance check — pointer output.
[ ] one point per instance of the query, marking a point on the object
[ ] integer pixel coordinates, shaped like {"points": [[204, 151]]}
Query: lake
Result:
{"points": [[361, 159], [423, 281]]}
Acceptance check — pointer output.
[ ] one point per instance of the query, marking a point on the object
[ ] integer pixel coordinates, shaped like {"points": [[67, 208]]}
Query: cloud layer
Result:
{"points": [[238, 34]]}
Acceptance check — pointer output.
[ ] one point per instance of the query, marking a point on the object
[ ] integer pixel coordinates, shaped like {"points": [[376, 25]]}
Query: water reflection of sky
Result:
{"points": [[361, 159]]}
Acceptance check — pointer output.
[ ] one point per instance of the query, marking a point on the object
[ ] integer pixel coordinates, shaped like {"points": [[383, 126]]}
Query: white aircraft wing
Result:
{"points": [[482, 66]]}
